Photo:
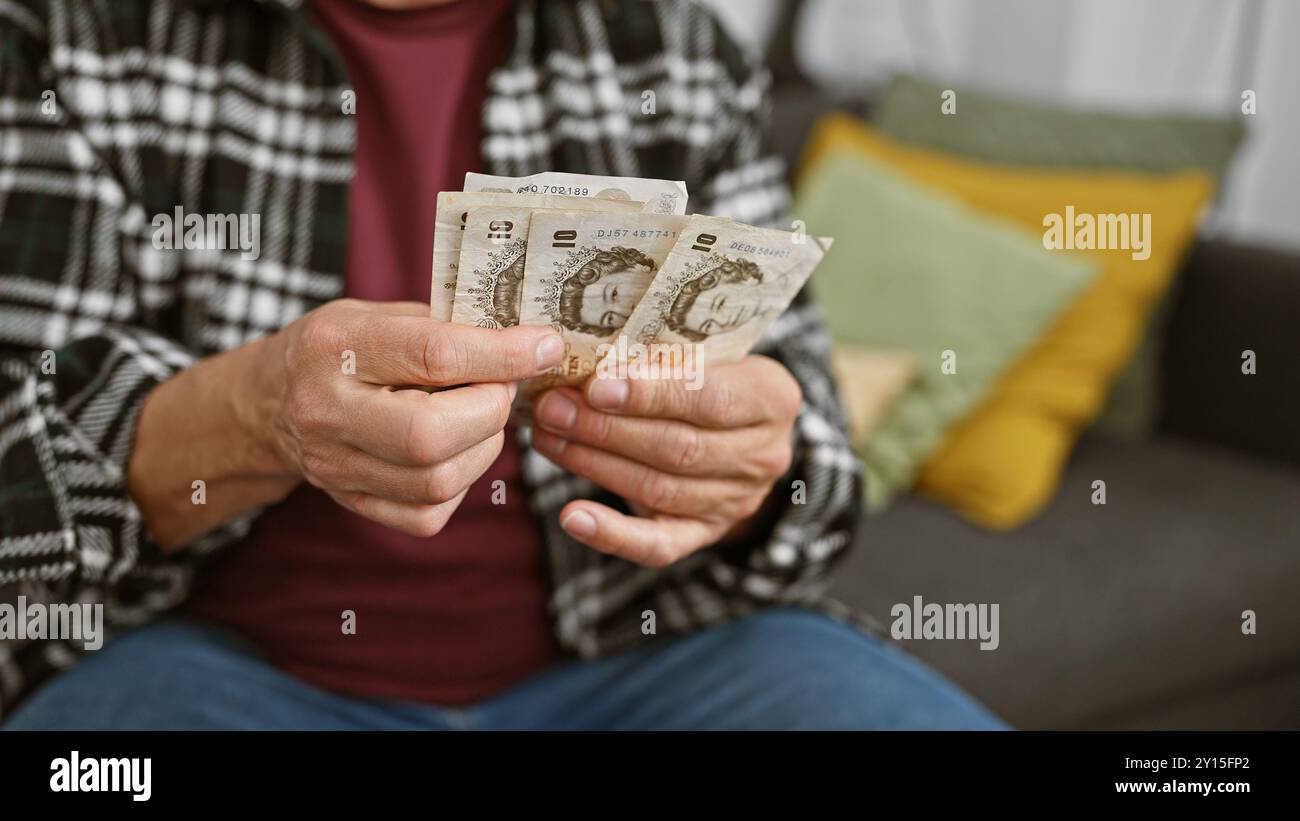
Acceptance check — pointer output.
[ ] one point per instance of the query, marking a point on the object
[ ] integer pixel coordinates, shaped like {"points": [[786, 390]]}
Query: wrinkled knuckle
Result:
{"points": [[714, 408], [686, 448], [419, 446], [499, 397], [322, 333], [772, 462], [661, 491], [437, 486], [316, 469], [308, 415], [444, 359], [523, 356], [662, 554]]}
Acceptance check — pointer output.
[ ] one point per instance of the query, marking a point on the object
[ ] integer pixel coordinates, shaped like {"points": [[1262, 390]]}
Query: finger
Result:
{"points": [[748, 392], [640, 484], [354, 471], [676, 447], [423, 521], [396, 349], [417, 428], [652, 542]]}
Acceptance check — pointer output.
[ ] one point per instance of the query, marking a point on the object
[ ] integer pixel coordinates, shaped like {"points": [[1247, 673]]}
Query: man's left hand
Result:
{"points": [[697, 463]]}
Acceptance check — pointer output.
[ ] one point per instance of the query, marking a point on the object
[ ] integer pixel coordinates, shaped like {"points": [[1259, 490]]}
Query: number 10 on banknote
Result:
{"points": [[585, 273]]}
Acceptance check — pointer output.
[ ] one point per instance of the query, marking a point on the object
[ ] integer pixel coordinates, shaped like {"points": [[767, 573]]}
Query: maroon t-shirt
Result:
{"points": [[457, 617]]}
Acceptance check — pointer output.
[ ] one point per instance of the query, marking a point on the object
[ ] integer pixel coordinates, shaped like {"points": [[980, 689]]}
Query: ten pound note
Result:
{"points": [[585, 273], [449, 232], [721, 287], [660, 196], [490, 272]]}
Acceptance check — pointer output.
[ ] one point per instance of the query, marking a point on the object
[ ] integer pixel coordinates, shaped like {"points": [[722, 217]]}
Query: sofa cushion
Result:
{"points": [[916, 269], [1105, 608], [1008, 130], [999, 465]]}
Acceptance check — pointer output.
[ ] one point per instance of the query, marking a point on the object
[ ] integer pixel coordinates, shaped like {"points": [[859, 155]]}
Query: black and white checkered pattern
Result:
{"points": [[232, 106]]}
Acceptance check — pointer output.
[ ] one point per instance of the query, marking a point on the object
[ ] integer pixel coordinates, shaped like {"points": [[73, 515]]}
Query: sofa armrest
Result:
{"points": [[1234, 298]]}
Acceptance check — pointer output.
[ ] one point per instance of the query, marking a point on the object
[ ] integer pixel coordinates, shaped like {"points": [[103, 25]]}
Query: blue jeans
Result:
{"points": [[789, 669]]}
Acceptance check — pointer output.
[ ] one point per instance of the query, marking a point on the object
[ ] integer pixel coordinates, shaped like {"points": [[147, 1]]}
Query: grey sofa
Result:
{"points": [[1129, 615]]}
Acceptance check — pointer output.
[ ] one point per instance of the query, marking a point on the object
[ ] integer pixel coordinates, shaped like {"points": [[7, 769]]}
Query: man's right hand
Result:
{"points": [[350, 416], [341, 398]]}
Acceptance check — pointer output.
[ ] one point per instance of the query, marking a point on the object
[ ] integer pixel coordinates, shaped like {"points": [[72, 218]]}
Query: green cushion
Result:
{"points": [[998, 129], [1013, 132], [912, 269]]}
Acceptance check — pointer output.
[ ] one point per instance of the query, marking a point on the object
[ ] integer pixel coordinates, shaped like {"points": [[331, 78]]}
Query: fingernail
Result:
{"points": [[580, 524], [513, 389], [548, 442], [557, 411], [549, 352], [608, 393]]}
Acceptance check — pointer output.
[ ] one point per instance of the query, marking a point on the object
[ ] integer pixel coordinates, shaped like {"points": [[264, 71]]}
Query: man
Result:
{"points": [[371, 552]]}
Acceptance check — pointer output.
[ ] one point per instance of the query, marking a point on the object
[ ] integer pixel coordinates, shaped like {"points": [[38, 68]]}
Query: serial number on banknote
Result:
{"points": [[635, 233], [759, 250], [567, 190]]}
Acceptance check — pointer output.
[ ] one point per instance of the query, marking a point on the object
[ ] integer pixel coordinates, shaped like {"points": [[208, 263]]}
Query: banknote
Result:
{"points": [[660, 196], [453, 207], [723, 284], [585, 272], [490, 271]]}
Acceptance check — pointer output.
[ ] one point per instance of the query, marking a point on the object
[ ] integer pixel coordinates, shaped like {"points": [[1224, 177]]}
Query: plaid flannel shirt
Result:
{"points": [[113, 112]]}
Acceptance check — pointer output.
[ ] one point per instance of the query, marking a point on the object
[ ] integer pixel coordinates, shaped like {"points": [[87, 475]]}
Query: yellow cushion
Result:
{"points": [[999, 465]]}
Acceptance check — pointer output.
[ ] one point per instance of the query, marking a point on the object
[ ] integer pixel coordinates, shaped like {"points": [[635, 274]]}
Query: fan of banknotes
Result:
{"points": [[616, 266]]}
